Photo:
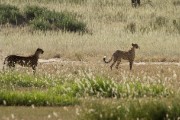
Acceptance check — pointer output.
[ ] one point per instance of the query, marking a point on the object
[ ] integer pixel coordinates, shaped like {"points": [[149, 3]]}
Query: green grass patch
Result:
{"points": [[103, 87], [49, 90], [37, 98], [131, 109]]}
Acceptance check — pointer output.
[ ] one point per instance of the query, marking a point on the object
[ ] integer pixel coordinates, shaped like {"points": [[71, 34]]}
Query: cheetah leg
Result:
{"points": [[114, 61], [11, 66], [117, 64], [130, 64], [34, 69]]}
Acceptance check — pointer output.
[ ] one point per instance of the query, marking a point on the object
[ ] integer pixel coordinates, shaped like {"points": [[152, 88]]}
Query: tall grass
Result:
{"points": [[114, 24]]}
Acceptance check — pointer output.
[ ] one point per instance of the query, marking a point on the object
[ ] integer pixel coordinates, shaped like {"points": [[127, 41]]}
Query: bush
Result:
{"points": [[41, 18], [40, 24], [32, 12], [44, 19], [10, 14]]}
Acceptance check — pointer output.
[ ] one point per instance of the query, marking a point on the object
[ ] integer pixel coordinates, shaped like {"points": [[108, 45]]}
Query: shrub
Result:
{"points": [[32, 12], [10, 14], [40, 18], [40, 24], [66, 21], [45, 19]]}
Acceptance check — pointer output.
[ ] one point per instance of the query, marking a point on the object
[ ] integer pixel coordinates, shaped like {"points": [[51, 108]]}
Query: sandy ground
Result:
{"points": [[54, 60], [57, 60]]}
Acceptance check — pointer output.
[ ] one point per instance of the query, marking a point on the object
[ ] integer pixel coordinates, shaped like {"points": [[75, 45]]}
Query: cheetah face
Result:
{"points": [[39, 50], [135, 45]]}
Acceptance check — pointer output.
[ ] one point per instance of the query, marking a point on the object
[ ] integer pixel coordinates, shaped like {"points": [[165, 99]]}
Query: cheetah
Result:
{"points": [[126, 55], [25, 61]]}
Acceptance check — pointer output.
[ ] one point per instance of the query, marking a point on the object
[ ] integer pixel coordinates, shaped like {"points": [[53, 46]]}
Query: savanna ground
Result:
{"points": [[79, 77]]}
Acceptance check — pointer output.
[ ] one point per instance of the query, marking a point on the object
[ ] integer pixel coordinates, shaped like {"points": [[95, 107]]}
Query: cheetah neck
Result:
{"points": [[36, 54], [132, 52]]}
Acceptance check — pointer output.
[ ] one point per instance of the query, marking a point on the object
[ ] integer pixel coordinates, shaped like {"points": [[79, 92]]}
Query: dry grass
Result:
{"points": [[109, 23]]}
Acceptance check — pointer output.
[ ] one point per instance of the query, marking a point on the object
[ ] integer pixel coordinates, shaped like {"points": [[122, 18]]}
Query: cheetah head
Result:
{"points": [[40, 51], [135, 46]]}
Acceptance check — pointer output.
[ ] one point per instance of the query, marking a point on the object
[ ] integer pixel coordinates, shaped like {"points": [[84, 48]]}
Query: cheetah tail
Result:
{"points": [[104, 59]]}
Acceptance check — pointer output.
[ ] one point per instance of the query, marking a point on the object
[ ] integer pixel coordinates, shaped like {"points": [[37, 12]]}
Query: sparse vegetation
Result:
{"points": [[79, 82]]}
